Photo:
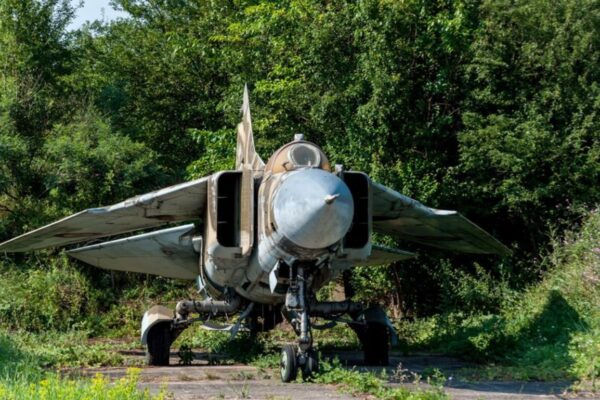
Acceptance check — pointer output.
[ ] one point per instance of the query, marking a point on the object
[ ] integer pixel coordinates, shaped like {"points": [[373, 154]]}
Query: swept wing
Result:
{"points": [[182, 202], [407, 219]]}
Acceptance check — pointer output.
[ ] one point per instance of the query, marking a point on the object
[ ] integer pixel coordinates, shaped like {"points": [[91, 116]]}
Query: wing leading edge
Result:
{"points": [[182, 202], [407, 219]]}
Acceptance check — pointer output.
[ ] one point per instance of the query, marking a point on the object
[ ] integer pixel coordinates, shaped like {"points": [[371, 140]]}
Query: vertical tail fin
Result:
{"points": [[246, 156]]}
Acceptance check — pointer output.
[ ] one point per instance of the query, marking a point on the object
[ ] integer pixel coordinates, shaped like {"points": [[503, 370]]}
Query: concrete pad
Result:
{"points": [[203, 381]]}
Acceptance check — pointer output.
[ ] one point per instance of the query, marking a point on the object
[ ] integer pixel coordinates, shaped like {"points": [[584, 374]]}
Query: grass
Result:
{"points": [[549, 332], [71, 349], [360, 383], [23, 375], [52, 386], [221, 348]]}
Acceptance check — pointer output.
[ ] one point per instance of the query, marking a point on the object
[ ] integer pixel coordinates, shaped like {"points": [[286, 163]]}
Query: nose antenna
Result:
{"points": [[330, 198]]}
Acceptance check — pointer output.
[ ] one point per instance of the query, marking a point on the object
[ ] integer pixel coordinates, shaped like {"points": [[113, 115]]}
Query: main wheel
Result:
{"points": [[374, 339], [159, 344], [311, 366], [289, 365]]}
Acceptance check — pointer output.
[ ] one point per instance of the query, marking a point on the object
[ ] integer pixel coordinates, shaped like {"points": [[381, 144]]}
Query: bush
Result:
{"points": [[51, 297], [550, 331]]}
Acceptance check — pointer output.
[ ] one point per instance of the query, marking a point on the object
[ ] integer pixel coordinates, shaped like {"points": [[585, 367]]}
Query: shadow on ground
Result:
{"points": [[536, 344]]}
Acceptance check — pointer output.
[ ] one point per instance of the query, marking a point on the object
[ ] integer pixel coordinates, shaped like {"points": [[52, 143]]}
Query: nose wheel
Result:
{"points": [[291, 361], [311, 364]]}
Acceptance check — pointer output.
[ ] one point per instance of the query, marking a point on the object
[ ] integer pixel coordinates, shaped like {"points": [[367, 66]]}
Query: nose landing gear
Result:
{"points": [[301, 355], [371, 324]]}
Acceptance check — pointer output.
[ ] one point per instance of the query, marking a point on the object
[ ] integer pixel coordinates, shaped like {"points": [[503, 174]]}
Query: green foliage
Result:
{"points": [[477, 292], [56, 297], [530, 144], [92, 165], [341, 336], [15, 363], [27, 351], [56, 294], [372, 282], [550, 332], [218, 152], [55, 387], [267, 361], [221, 348], [21, 375], [186, 356], [70, 349]]}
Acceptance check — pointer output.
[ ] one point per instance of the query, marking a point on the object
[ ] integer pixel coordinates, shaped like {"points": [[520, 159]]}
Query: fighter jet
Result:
{"points": [[259, 241]]}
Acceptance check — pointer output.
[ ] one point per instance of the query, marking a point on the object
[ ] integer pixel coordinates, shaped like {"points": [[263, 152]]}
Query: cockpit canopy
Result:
{"points": [[297, 154]]}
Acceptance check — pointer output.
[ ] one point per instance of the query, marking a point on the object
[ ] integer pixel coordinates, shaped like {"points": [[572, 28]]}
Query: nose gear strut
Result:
{"points": [[296, 310]]}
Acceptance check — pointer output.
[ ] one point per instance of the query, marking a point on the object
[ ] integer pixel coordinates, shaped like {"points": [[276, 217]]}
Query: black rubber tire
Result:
{"points": [[374, 339], [311, 367], [159, 344], [289, 363]]}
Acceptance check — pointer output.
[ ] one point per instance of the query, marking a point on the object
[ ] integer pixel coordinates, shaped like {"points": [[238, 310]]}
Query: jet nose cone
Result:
{"points": [[313, 208]]}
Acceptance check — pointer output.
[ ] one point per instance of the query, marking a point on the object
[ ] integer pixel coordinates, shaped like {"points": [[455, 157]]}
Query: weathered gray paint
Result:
{"points": [[381, 255], [152, 317]]}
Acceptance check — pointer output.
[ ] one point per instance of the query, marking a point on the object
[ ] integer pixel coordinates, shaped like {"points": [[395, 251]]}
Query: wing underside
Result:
{"points": [[183, 202], [407, 219], [168, 252]]}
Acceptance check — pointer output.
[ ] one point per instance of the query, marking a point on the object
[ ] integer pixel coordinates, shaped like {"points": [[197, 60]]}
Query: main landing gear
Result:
{"points": [[159, 340], [160, 329]]}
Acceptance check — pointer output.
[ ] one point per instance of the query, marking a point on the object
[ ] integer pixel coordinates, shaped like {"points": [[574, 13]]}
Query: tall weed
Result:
{"points": [[550, 331]]}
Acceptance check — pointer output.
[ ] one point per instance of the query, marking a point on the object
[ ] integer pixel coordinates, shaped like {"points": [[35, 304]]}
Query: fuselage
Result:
{"points": [[302, 212]]}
